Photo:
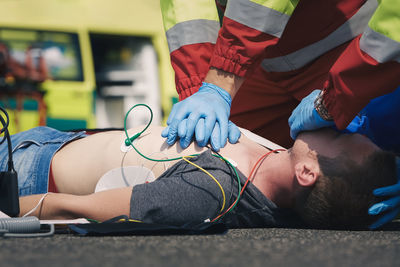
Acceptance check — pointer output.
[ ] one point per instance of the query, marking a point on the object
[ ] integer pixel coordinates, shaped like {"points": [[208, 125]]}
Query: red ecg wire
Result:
{"points": [[247, 180]]}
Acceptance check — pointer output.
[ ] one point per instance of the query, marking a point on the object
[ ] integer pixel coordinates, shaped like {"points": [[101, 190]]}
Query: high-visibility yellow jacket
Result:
{"points": [[286, 35]]}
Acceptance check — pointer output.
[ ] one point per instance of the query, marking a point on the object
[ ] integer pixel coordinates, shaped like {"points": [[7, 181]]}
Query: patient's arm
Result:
{"points": [[99, 206]]}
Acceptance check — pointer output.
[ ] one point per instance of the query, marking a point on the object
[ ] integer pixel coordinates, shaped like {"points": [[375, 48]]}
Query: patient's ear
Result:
{"points": [[306, 173]]}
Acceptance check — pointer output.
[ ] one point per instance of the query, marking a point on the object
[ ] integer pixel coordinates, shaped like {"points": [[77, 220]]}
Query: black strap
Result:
{"points": [[114, 227]]}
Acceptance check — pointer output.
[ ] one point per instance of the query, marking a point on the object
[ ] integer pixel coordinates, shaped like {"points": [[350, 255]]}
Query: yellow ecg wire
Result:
{"points": [[215, 180], [129, 220]]}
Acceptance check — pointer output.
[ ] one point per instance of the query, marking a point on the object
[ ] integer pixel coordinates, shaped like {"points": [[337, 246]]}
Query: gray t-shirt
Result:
{"points": [[185, 194]]}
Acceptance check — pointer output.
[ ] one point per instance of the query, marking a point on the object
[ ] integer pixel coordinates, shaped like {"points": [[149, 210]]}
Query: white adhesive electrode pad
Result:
{"points": [[123, 177], [125, 148]]}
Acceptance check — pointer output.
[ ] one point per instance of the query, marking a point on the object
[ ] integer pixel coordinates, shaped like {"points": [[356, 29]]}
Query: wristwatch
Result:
{"points": [[321, 108]]}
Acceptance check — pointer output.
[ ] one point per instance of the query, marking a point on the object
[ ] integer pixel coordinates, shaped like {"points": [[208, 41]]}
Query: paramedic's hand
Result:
{"points": [[305, 118], [390, 207], [206, 113], [215, 140]]}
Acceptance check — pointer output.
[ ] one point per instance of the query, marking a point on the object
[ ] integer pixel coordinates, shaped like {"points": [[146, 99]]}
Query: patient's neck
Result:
{"points": [[274, 178]]}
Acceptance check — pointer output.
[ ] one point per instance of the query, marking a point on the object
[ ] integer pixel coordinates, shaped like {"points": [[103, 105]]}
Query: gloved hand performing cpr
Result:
{"points": [[305, 117], [389, 208], [205, 113]]}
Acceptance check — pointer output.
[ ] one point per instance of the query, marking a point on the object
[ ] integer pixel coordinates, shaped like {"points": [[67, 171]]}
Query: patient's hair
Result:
{"points": [[342, 195]]}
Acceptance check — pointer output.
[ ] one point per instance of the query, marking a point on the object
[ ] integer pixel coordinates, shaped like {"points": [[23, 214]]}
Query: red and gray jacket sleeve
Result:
{"points": [[192, 30], [248, 28], [369, 67]]}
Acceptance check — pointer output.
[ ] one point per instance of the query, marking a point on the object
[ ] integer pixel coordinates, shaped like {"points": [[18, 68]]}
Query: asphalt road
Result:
{"points": [[239, 247]]}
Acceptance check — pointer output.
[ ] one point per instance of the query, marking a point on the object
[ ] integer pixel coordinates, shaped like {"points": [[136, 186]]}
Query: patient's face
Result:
{"points": [[330, 143]]}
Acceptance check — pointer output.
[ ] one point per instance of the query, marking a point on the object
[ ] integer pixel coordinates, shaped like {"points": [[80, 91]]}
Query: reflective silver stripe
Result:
{"points": [[262, 18], [379, 47], [192, 32], [347, 31]]}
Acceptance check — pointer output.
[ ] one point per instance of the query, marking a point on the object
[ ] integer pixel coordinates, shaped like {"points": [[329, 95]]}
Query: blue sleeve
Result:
{"points": [[379, 120]]}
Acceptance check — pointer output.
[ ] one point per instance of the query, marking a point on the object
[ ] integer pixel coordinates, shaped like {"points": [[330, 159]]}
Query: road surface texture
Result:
{"points": [[238, 247]]}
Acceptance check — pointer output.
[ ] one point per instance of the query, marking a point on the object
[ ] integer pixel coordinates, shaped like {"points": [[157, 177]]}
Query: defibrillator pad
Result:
{"points": [[124, 177]]}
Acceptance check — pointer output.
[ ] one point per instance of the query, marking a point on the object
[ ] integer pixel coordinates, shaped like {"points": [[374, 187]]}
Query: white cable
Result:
{"points": [[37, 206], [165, 163]]}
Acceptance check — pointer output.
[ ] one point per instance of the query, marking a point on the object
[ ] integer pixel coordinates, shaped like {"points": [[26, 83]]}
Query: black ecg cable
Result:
{"points": [[7, 137]]}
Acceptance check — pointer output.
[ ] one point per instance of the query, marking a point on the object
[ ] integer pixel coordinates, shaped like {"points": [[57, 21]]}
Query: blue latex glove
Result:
{"points": [[391, 207], [233, 134], [305, 118], [206, 113]]}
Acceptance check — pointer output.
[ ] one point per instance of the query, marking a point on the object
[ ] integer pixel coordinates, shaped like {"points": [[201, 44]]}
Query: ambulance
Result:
{"points": [[102, 57]]}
